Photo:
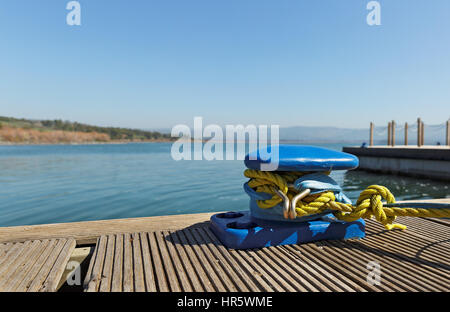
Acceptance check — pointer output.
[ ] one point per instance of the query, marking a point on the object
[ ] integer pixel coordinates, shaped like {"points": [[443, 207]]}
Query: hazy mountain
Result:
{"points": [[433, 134], [323, 134]]}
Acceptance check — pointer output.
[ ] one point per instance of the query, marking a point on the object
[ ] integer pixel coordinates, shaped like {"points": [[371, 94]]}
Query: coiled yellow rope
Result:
{"points": [[368, 204]]}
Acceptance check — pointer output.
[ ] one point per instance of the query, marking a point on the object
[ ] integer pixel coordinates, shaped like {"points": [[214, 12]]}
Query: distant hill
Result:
{"points": [[14, 130]]}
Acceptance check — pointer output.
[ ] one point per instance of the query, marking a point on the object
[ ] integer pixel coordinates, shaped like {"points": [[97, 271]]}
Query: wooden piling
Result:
{"points": [[389, 134], [406, 133], [422, 134]]}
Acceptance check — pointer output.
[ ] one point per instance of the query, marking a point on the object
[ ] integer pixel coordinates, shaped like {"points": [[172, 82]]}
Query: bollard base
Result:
{"points": [[239, 230]]}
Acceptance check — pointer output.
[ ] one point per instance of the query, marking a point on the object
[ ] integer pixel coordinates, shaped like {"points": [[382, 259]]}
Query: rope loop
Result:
{"points": [[369, 203]]}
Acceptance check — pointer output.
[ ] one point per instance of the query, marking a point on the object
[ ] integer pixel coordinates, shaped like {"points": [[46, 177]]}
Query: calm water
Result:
{"points": [[63, 183]]}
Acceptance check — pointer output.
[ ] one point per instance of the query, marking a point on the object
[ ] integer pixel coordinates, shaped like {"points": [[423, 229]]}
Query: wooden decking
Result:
{"points": [[180, 253], [34, 265], [87, 232], [193, 259]]}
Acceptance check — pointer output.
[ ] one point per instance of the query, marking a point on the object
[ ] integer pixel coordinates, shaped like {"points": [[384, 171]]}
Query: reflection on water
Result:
{"points": [[403, 188], [64, 183]]}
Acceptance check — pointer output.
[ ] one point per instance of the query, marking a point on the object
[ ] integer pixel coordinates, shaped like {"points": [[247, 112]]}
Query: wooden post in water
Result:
{"points": [[371, 134], [393, 133], [389, 134], [447, 137], [419, 124], [406, 134]]}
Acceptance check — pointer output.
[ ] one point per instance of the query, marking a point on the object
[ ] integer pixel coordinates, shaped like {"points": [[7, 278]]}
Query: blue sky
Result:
{"points": [[155, 63]]}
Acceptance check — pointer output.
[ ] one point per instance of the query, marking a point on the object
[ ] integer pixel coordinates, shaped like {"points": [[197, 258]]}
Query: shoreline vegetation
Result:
{"points": [[24, 131]]}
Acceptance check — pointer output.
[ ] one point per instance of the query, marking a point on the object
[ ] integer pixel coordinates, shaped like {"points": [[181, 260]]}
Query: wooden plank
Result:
{"points": [[58, 268], [203, 276], [236, 281], [239, 265], [409, 254], [394, 271], [297, 276], [31, 274], [428, 229], [258, 272], [339, 274], [178, 263], [106, 278], [213, 261], [4, 248], [87, 278], [93, 278], [419, 266], [167, 263], [18, 265], [127, 264], [350, 258], [19, 276], [12, 256], [441, 221], [147, 262], [159, 269], [88, 232], [8, 252], [116, 283], [203, 261], [434, 276], [274, 270], [410, 244], [36, 265], [188, 256], [49, 274], [138, 273], [268, 271], [408, 257], [320, 281], [237, 275]]}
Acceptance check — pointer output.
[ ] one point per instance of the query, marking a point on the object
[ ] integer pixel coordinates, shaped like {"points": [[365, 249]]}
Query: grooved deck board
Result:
{"points": [[193, 259], [34, 265]]}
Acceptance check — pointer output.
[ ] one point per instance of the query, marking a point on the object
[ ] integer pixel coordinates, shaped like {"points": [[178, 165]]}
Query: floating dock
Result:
{"points": [[180, 253], [424, 162]]}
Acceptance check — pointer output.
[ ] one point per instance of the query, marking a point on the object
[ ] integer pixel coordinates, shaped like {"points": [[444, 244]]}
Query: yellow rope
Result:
{"points": [[369, 203]]}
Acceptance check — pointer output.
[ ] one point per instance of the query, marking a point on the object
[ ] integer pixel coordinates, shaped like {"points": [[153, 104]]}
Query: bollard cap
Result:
{"points": [[300, 158]]}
